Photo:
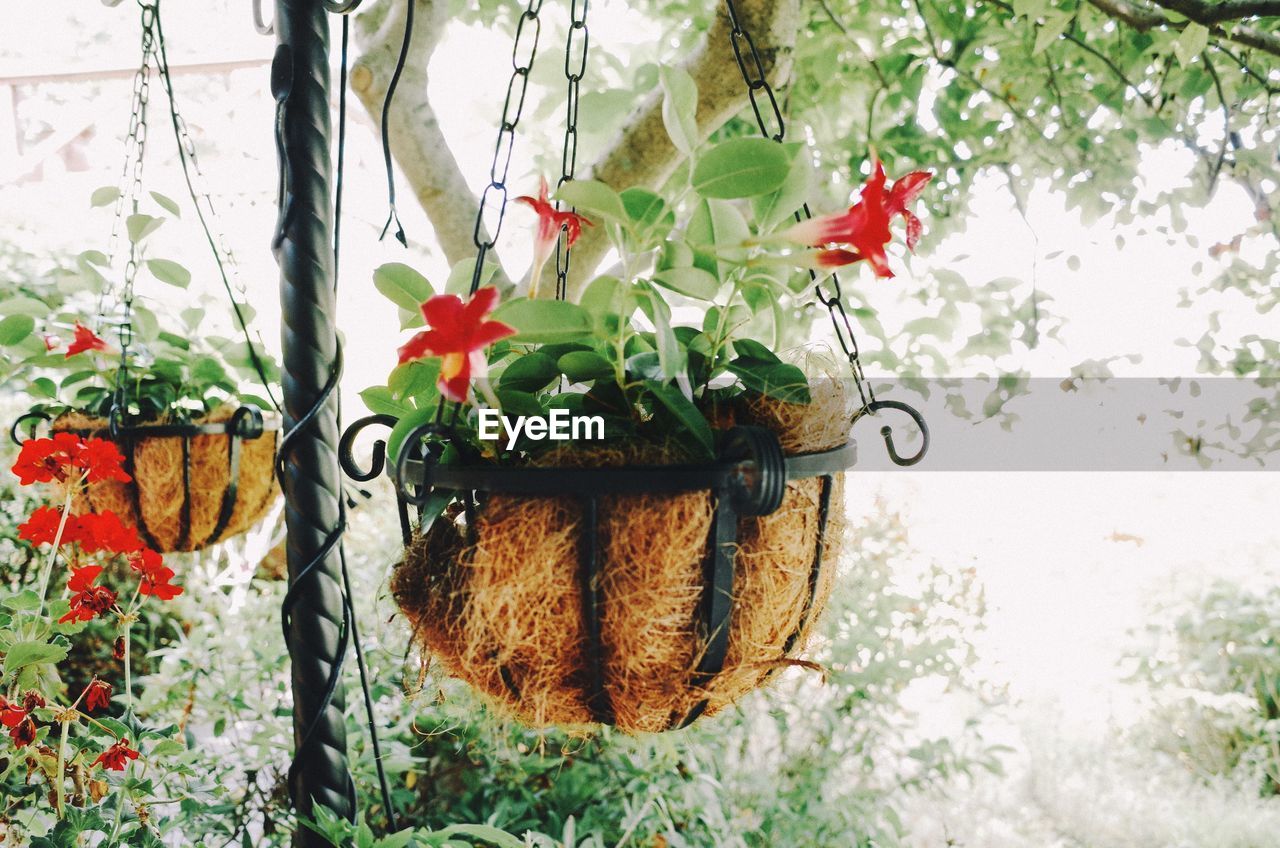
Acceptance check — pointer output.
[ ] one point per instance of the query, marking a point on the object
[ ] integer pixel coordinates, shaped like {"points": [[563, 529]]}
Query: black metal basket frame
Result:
{"points": [[247, 422], [749, 478]]}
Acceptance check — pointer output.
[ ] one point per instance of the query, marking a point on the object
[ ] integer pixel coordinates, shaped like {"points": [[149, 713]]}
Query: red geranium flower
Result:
{"points": [[88, 601], [97, 695], [103, 460], [32, 700], [117, 649], [24, 733], [156, 582], [11, 714], [105, 532], [47, 460], [42, 527], [85, 339], [863, 230], [458, 333], [116, 757], [550, 223]]}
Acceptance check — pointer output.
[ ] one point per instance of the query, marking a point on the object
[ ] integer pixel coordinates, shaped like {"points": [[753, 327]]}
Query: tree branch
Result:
{"points": [[417, 143], [1143, 18], [643, 154], [1222, 10]]}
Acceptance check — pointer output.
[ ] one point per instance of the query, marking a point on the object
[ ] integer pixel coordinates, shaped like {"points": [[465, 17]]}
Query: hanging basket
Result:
{"points": [[604, 587], [194, 484]]}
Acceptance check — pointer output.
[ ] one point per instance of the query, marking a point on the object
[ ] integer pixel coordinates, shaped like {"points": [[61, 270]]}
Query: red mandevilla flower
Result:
{"points": [[116, 757], [85, 339], [550, 223], [458, 333], [863, 230], [97, 695]]}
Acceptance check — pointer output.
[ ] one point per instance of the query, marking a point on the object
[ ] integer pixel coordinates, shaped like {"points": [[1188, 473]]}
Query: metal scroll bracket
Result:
{"points": [[886, 431]]}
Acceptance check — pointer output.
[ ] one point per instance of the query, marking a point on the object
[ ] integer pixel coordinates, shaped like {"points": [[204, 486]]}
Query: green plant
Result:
{"points": [[63, 340]]}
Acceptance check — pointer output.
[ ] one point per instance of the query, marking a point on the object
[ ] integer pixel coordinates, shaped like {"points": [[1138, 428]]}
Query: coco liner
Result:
{"points": [[510, 610], [187, 505]]}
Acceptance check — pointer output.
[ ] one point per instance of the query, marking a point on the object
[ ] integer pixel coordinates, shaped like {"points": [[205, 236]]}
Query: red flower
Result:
{"points": [[47, 460], [88, 601], [24, 733], [550, 223], [863, 229], [116, 757], [42, 527], [97, 695], [117, 649], [105, 532], [458, 333], [11, 714], [32, 700], [85, 340], [103, 460], [156, 582], [51, 342]]}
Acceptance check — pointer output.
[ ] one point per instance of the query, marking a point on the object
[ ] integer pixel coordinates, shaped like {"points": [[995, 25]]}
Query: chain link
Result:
{"points": [[762, 95], [489, 218], [575, 67]]}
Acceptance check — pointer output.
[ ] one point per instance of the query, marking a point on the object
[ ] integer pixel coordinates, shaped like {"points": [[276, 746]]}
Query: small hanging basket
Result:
{"points": [[194, 484], [604, 587]]}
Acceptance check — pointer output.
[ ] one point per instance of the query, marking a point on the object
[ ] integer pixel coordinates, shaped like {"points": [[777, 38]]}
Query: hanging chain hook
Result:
{"points": [[886, 431], [261, 24]]}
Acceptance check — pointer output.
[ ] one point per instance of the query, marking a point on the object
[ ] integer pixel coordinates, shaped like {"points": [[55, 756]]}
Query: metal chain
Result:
{"points": [[575, 67], [135, 141], [134, 159], [761, 94], [523, 53]]}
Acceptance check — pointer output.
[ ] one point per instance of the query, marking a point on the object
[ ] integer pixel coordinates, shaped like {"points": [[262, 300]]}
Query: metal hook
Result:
{"points": [[886, 431], [261, 24]]}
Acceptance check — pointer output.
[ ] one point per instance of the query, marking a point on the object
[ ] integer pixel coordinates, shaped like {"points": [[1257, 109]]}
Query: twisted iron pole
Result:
{"points": [[309, 467]]}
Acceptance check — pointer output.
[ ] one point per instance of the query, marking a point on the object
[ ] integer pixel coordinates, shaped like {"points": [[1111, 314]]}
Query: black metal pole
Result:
{"points": [[309, 474]]}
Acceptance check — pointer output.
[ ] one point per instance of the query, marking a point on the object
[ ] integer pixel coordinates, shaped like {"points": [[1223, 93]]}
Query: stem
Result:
{"points": [[128, 668], [59, 788], [47, 571]]}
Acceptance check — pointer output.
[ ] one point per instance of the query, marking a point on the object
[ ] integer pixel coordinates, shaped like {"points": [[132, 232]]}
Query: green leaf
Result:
{"points": [[716, 224], [402, 285], [775, 379], [28, 653], [1055, 24], [741, 167], [380, 400], [777, 206], [15, 328], [168, 271], [414, 379], [460, 276], [530, 373], [679, 107], [1191, 43], [545, 321], [23, 305], [411, 420], [651, 219], [23, 601], [167, 204], [140, 226], [685, 412], [500, 838], [691, 282], [584, 365], [607, 295], [104, 196], [593, 197], [752, 349], [516, 402]]}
